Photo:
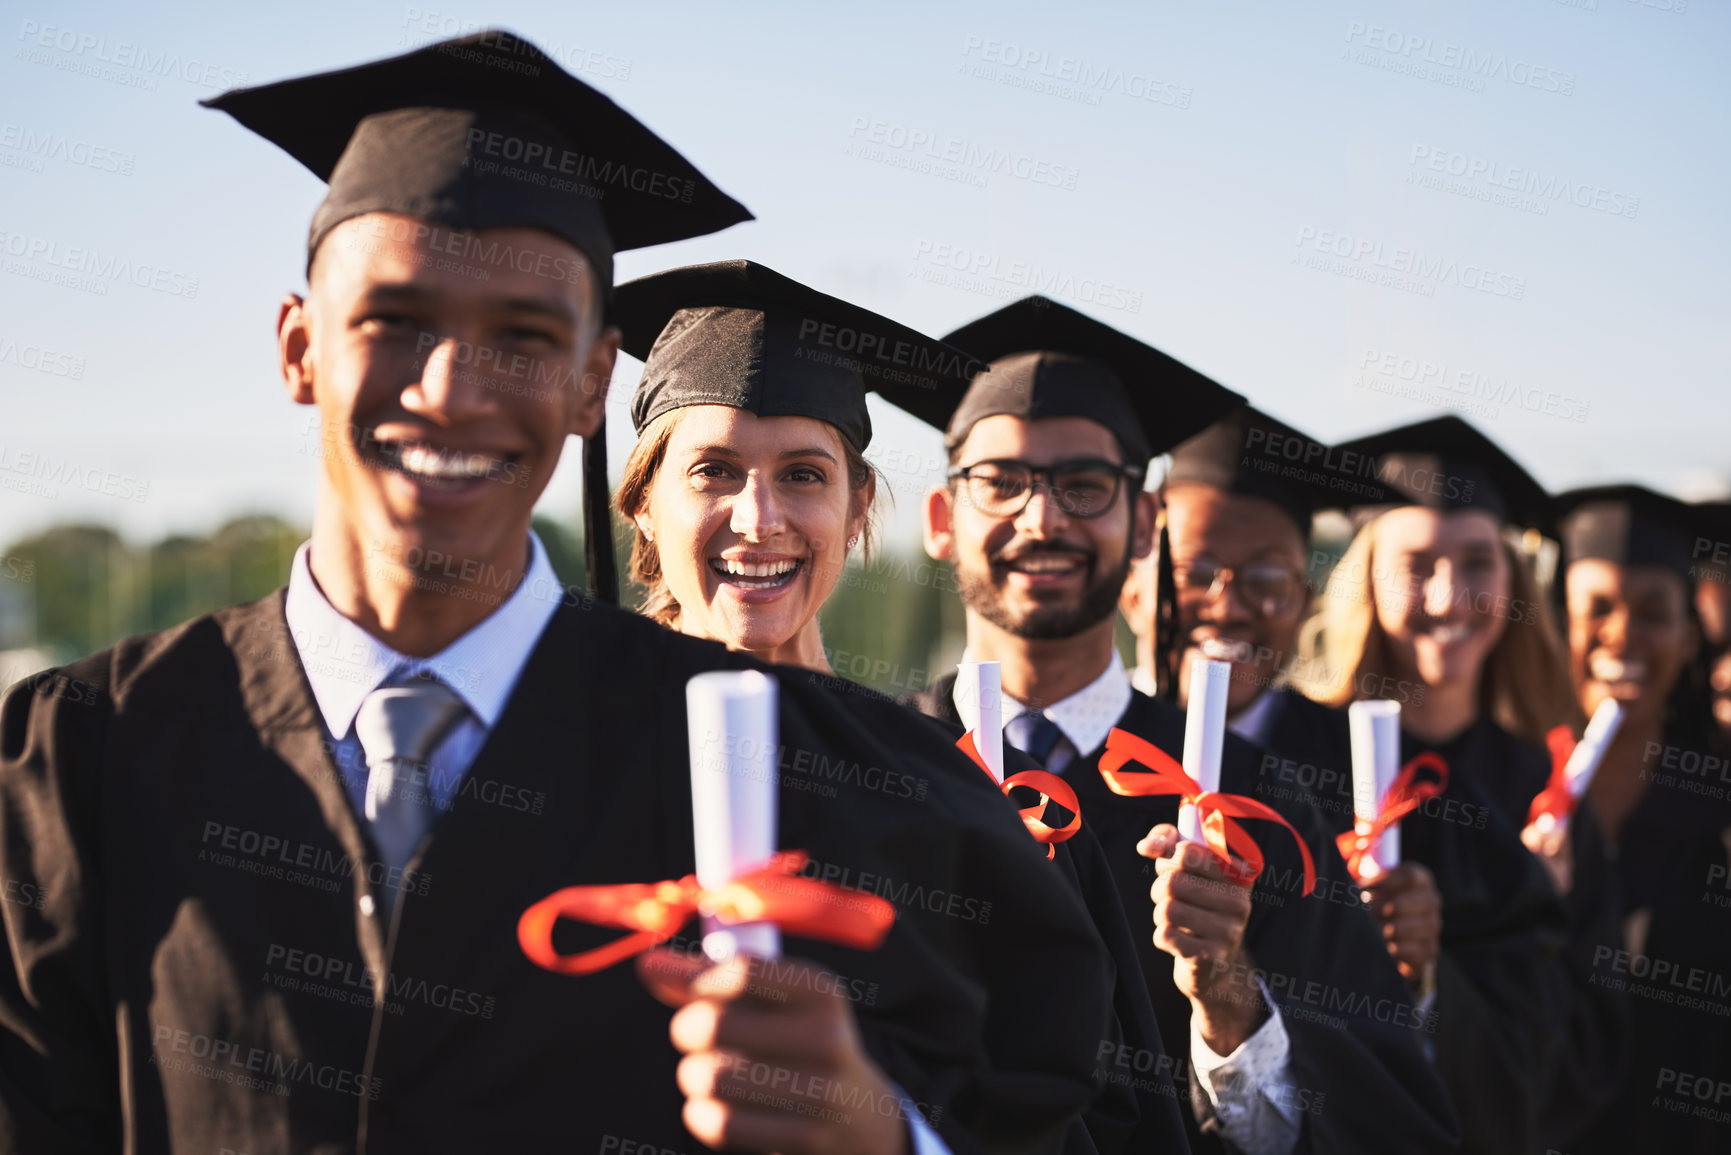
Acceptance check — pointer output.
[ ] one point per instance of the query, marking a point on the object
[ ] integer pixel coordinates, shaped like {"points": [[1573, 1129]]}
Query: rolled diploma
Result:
{"points": [[980, 701], [1375, 730], [1204, 735], [1589, 752], [731, 721]]}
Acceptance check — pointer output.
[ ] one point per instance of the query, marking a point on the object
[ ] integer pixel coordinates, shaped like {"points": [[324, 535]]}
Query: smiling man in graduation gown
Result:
{"points": [[276, 857], [1288, 1026], [1629, 558], [1241, 497]]}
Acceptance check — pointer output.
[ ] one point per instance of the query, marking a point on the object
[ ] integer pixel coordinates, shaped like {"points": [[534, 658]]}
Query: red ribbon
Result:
{"points": [[1556, 799], [774, 893], [1051, 788], [1224, 836], [1405, 794]]}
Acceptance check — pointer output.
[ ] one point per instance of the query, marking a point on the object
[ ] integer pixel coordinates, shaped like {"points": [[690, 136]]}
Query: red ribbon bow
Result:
{"points": [[1051, 788], [773, 892], [1223, 835], [1556, 799], [1405, 794]]}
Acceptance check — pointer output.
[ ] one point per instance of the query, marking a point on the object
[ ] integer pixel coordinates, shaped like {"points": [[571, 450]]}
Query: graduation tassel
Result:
{"points": [[601, 579], [1165, 618]]}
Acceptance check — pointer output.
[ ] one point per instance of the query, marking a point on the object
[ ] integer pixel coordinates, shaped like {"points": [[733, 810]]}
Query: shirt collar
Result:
{"points": [[1088, 715], [344, 663], [1254, 721]]}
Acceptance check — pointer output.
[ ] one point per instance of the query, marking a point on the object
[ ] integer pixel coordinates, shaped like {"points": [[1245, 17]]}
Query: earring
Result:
{"points": [[649, 537], [853, 541]]}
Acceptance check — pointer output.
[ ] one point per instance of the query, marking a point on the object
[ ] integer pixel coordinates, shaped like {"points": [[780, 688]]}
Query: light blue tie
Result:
{"points": [[399, 728]]}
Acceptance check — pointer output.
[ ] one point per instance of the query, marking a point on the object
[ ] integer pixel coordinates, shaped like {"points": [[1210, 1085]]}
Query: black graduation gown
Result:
{"points": [[1500, 994], [1135, 1108], [1674, 864], [1592, 1052], [1362, 1082], [199, 967]]}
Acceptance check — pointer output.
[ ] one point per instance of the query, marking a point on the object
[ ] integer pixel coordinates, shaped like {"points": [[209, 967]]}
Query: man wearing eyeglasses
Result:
{"points": [[1043, 516], [1228, 613], [1238, 519], [1238, 530]]}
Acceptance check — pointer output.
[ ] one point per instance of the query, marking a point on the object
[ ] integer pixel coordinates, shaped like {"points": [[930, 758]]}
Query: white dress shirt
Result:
{"points": [[344, 664], [1254, 721], [1251, 1089]]}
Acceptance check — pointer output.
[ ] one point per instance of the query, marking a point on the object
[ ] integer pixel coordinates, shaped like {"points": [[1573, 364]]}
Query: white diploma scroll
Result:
{"points": [[731, 719], [1204, 735], [980, 701], [1375, 730], [1589, 752]]}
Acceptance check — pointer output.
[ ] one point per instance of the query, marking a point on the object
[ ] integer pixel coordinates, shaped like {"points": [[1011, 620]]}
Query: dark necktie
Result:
{"points": [[1043, 735]]}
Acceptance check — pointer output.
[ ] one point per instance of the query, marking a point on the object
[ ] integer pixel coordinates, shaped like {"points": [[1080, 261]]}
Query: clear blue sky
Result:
{"points": [[1234, 182]]}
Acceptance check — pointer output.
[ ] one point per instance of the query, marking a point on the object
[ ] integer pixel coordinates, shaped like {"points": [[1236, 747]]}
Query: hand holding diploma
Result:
{"points": [[773, 1060], [1407, 904], [770, 1043], [1573, 765], [1201, 911], [1403, 896], [767, 1042]]}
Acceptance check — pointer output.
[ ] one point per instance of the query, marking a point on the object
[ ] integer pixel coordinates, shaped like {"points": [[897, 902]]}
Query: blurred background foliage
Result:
{"points": [[893, 623]]}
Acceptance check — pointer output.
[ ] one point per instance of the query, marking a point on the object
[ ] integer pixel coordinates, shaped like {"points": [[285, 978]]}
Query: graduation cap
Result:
{"points": [[487, 131], [484, 131], [1447, 465], [1710, 531], [1250, 454], [1048, 360], [1628, 525], [737, 333]]}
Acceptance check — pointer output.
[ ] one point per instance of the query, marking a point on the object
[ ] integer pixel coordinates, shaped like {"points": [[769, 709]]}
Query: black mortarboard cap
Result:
{"points": [[1251, 454], [1710, 539], [485, 131], [737, 333], [1048, 360], [1446, 465], [1627, 525]]}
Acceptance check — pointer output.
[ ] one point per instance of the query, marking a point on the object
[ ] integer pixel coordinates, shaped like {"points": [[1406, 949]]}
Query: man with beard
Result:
{"points": [[277, 859], [1042, 517], [1462, 910]]}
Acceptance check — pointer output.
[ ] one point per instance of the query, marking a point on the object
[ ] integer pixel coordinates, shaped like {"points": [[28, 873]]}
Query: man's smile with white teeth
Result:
{"points": [[425, 462], [1044, 561], [1225, 649], [762, 575]]}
